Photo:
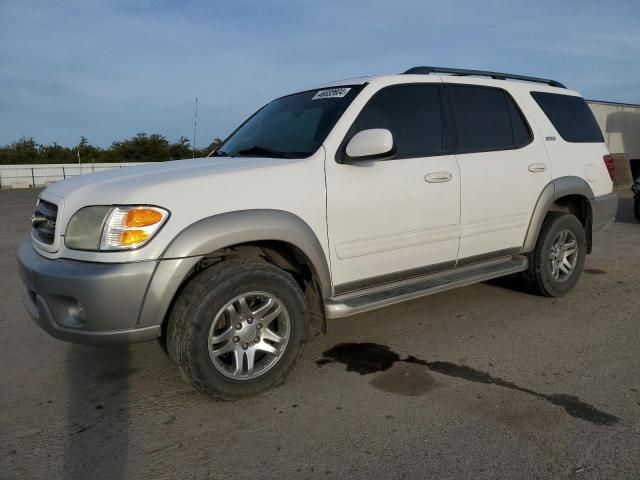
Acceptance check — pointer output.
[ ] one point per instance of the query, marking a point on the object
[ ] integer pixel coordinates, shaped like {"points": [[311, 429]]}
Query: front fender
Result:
{"points": [[224, 230], [233, 228]]}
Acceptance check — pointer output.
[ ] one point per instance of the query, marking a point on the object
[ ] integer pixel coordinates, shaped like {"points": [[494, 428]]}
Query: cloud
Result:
{"points": [[107, 70]]}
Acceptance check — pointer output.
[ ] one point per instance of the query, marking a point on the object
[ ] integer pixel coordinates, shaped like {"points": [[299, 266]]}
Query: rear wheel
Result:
{"points": [[556, 263], [238, 328], [636, 207]]}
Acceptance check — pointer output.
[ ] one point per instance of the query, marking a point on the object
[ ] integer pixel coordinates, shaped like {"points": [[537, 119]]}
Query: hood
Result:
{"points": [[216, 184], [191, 190], [120, 182]]}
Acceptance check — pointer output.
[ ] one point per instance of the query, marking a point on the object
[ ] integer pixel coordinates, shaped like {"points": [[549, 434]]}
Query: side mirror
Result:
{"points": [[370, 144]]}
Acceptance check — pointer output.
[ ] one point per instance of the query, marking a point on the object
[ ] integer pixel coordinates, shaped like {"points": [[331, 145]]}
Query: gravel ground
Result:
{"points": [[479, 382]]}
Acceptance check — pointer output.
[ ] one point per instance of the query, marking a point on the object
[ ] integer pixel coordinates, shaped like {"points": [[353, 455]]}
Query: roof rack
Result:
{"points": [[482, 73]]}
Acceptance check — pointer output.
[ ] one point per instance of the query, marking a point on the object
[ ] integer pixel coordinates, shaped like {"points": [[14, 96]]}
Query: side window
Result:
{"points": [[487, 119], [412, 113], [571, 117], [521, 132]]}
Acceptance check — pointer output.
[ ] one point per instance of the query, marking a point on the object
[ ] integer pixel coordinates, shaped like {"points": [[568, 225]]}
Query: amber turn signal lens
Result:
{"points": [[132, 237], [142, 217]]}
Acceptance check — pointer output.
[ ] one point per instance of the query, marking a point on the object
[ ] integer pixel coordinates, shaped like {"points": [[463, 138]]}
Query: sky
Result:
{"points": [[110, 69]]}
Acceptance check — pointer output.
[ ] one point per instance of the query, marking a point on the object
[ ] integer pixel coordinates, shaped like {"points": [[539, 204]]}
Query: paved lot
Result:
{"points": [[480, 382]]}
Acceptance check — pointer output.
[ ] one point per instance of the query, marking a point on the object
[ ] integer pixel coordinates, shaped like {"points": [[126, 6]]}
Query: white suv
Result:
{"points": [[325, 203]]}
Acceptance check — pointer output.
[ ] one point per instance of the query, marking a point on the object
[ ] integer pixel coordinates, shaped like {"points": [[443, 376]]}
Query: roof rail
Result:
{"points": [[482, 73]]}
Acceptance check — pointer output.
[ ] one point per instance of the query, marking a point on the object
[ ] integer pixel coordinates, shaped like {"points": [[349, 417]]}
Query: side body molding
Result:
{"points": [[560, 187], [232, 228]]}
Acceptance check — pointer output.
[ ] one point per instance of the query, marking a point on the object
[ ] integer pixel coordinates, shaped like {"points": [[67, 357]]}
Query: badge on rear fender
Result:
{"points": [[331, 93]]}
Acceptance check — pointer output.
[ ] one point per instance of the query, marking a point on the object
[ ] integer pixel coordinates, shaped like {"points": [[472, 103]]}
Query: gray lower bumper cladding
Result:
{"points": [[86, 302], [604, 208]]}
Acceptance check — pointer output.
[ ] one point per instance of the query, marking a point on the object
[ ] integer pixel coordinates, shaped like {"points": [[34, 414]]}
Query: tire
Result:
{"points": [[636, 207], [213, 298], [540, 277]]}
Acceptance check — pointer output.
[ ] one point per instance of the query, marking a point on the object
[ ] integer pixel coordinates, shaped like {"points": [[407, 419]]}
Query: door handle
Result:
{"points": [[438, 177], [537, 167]]}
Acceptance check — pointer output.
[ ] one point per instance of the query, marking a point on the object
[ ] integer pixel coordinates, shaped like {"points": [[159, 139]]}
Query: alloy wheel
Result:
{"points": [[248, 335], [564, 255]]}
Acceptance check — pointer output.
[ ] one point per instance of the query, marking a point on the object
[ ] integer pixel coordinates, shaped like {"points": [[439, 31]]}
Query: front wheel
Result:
{"points": [[238, 328], [636, 207], [556, 263]]}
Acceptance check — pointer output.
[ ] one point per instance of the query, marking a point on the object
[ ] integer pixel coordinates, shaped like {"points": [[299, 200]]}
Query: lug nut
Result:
{"points": [[257, 340], [259, 326], [236, 339], [250, 320], [245, 346], [238, 326]]}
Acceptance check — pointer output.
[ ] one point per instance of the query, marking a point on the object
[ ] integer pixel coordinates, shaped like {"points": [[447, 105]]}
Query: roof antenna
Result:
{"points": [[195, 127]]}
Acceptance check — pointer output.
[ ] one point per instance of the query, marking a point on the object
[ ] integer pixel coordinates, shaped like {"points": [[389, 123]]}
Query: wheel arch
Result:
{"points": [[246, 226], [569, 194], [279, 237]]}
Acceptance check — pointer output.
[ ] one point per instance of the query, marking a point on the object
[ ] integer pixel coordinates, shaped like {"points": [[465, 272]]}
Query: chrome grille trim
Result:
{"points": [[43, 222]]}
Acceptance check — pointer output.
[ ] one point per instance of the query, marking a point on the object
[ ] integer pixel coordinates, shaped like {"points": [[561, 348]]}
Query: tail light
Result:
{"points": [[611, 165]]}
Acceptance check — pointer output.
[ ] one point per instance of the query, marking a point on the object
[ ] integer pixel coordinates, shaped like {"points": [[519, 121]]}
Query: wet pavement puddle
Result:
{"points": [[411, 376], [594, 271]]}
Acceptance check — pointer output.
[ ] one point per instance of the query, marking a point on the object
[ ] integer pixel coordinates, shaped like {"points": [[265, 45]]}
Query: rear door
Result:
{"points": [[502, 170], [388, 219], [576, 146]]}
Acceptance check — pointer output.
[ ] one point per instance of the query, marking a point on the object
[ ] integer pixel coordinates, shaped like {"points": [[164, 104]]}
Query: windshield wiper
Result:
{"points": [[218, 153], [260, 151]]}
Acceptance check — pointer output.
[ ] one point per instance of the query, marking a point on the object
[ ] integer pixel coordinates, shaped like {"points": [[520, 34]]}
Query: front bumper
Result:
{"points": [[85, 302], [604, 209]]}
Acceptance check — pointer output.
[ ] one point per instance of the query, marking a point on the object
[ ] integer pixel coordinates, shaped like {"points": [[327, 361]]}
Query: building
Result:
{"points": [[620, 124]]}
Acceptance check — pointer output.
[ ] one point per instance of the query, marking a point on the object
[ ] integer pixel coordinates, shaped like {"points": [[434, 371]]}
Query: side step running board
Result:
{"points": [[397, 292]]}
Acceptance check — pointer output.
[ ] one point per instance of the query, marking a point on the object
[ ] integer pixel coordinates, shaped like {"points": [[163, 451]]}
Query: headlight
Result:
{"points": [[113, 228]]}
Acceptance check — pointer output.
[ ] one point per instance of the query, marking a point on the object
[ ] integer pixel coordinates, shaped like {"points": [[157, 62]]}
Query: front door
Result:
{"points": [[397, 217]]}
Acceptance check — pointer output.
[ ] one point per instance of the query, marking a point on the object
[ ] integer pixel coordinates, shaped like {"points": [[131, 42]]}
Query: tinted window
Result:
{"points": [[487, 119], [571, 116], [412, 113], [290, 127], [521, 132]]}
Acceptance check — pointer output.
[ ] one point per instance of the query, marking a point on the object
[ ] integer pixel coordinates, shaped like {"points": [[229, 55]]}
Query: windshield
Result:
{"points": [[290, 127]]}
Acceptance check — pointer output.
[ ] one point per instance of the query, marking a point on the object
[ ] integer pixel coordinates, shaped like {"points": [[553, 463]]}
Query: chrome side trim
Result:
{"points": [[379, 297]]}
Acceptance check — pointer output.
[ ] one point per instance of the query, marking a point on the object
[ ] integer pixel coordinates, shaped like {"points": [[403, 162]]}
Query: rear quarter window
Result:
{"points": [[571, 117]]}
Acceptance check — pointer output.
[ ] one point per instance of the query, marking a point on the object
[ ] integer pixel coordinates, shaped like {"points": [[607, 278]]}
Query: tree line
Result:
{"points": [[139, 148]]}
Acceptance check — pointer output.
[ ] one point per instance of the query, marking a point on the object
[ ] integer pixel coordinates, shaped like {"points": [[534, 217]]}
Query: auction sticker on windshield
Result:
{"points": [[331, 93]]}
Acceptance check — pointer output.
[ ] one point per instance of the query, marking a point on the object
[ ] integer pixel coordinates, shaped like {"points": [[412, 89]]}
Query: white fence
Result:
{"points": [[25, 176]]}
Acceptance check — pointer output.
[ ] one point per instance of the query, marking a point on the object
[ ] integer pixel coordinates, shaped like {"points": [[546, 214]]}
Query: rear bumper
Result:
{"points": [[85, 302], [604, 209]]}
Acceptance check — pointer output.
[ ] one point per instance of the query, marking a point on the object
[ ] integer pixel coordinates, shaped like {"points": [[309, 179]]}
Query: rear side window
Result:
{"points": [[571, 117], [413, 114], [487, 119], [521, 132]]}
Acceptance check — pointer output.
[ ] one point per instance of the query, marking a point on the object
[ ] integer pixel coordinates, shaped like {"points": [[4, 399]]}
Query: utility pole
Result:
{"points": [[195, 127]]}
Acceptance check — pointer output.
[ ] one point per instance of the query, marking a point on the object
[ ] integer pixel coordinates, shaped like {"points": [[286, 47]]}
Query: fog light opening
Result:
{"points": [[77, 315]]}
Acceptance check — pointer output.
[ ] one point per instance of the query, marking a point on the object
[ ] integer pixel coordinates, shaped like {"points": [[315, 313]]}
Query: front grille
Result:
{"points": [[43, 221]]}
